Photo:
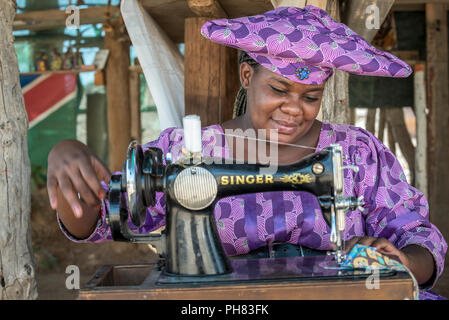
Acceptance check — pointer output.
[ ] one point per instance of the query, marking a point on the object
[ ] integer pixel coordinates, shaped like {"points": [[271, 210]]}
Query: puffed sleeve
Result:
{"points": [[155, 217], [394, 209]]}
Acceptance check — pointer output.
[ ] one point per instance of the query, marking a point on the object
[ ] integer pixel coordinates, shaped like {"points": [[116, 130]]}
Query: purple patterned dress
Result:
{"points": [[394, 210]]}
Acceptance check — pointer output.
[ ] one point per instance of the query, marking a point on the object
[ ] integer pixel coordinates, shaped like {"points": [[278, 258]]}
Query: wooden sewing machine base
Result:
{"points": [[299, 278]]}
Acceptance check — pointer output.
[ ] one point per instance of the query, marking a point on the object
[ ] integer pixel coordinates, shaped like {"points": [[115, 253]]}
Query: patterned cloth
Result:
{"points": [[370, 259], [304, 45], [394, 210]]}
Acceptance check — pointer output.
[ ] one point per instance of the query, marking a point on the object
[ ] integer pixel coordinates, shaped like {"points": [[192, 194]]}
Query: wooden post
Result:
{"points": [[97, 125], [421, 129], [207, 8], [134, 99], [17, 266], [401, 135], [335, 105], [211, 70], [352, 116], [117, 90], [382, 123], [438, 115], [371, 120], [391, 142]]}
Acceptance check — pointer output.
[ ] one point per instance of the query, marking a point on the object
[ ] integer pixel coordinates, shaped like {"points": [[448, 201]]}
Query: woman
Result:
{"points": [[289, 53]]}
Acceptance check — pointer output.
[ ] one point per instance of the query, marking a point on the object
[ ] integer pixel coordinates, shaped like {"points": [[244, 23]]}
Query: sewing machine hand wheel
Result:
{"points": [[134, 182], [131, 192], [141, 171]]}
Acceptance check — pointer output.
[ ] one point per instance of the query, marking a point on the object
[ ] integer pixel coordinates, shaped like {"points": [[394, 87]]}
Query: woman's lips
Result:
{"points": [[285, 127]]}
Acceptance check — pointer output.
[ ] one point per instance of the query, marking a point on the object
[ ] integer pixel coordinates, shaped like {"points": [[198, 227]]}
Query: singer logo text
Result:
{"points": [[246, 179]]}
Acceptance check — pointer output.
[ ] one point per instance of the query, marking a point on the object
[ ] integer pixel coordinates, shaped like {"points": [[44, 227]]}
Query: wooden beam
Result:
{"points": [[117, 91], [355, 16], [438, 115], [207, 8], [415, 5], [168, 14], [409, 7], [53, 19], [134, 99], [407, 54], [409, 57], [211, 76]]}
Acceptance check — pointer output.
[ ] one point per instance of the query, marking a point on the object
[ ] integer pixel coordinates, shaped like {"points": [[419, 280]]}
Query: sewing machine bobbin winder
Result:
{"points": [[193, 264]]}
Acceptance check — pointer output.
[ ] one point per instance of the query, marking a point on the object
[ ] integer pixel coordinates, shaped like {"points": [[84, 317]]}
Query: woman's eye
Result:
{"points": [[277, 90], [310, 99]]}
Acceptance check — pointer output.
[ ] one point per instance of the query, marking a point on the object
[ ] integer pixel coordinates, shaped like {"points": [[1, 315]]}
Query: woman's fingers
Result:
{"points": [[85, 191], [74, 172], [71, 196], [52, 187], [386, 247], [381, 243], [90, 176], [365, 241], [101, 169]]}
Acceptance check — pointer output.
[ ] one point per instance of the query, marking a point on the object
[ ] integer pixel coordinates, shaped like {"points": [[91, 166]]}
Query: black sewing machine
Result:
{"points": [[191, 254]]}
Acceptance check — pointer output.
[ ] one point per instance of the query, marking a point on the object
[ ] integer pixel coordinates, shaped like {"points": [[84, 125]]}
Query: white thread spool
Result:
{"points": [[192, 133]]}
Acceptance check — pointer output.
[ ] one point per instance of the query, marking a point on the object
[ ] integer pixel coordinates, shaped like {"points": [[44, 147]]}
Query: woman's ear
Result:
{"points": [[246, 73]]}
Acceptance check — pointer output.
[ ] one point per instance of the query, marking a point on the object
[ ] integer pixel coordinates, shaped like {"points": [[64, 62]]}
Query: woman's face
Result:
{"points": [[275, 102]]}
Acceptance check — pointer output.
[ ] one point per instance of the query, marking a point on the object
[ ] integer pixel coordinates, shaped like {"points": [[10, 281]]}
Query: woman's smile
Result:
{"points": [[285, 127]]}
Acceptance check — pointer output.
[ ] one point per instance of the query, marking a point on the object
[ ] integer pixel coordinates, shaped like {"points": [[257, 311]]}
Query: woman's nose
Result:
{"points": [[293, 108]]}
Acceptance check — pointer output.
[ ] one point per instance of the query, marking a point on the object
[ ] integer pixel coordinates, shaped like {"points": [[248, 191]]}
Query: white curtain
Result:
{"points": [[161, 61]]}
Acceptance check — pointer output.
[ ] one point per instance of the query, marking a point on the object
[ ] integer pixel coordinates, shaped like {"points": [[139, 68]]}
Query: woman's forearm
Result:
{"points": [[420, 262]]}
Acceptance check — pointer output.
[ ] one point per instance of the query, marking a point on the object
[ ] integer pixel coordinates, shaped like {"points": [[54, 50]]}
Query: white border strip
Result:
{"points": [[35, 82]]}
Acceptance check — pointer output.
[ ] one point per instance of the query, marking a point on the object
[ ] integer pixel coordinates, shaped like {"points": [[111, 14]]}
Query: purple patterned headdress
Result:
{"points": [[304, 45]]}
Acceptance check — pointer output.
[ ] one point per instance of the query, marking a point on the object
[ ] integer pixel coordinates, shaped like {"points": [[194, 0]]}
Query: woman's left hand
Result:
{"points": [[382, 245]]}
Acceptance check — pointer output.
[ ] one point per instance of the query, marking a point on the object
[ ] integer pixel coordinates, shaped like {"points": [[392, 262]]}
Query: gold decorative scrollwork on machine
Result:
{"points": [[298, 178]]}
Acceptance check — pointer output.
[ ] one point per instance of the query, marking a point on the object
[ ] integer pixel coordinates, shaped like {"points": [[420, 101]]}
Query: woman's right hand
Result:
{"points": [[74, 169]]}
